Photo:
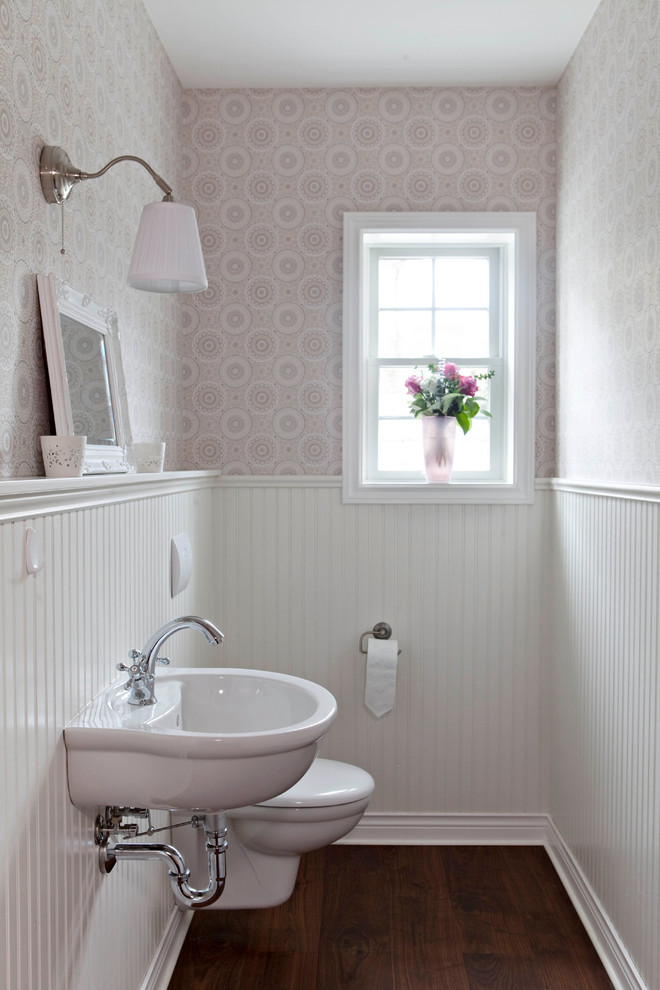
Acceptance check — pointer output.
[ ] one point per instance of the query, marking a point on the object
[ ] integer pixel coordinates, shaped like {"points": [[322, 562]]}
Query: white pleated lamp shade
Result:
{"points": [[167, 256]]}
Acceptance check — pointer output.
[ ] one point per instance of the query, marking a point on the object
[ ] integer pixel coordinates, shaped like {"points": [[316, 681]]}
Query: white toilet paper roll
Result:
{"points": [[380, 685]]}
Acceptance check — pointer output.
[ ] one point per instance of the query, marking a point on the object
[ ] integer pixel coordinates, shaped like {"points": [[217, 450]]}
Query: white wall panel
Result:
{"points": [[300, 576], [605, 741], [294, 577], [104, 589]]}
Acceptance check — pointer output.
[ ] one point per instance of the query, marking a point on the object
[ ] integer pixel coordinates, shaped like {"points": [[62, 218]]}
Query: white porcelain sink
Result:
{"points": [[217, 738]]}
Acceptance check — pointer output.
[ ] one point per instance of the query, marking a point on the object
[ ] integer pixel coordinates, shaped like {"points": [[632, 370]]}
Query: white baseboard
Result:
{"points": [[401, 828], [458, 830], [163, 963], [618, 964]]}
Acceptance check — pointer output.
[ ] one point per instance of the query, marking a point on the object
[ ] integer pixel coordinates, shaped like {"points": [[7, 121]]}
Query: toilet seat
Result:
{"points": [[327, 783]]}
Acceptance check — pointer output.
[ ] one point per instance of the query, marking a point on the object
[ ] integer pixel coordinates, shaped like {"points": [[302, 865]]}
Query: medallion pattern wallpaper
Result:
{"points": [[247, 376], [92, 77], [271, 173], [609, 231]]}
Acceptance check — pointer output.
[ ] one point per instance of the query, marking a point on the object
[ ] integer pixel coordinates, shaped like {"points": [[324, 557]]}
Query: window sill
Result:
{"points": [[384, 493]]}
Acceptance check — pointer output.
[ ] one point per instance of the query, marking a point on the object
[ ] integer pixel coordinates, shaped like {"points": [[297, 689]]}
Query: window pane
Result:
{"points": [[463, 332], [472, 452], [462, 282], [393, 398], [404, 333], [404, 283], [400, 445]]}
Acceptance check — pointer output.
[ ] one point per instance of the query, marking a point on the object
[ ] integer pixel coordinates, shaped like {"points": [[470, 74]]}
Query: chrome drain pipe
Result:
{"points": [[187, 897]]}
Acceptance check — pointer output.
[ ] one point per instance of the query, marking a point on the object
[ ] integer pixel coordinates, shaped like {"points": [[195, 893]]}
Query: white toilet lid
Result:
{"points": [[327, 782]]}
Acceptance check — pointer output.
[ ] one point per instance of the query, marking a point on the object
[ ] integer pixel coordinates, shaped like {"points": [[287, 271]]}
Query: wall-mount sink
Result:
{"points": [[217, 738]]}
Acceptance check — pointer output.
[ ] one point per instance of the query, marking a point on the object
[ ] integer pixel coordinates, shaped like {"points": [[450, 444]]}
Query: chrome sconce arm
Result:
{"points": [[58, 176], [167, 256]]}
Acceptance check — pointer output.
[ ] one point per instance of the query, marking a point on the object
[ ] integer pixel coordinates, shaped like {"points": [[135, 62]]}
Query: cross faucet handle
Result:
{"points": [[138, 666]]}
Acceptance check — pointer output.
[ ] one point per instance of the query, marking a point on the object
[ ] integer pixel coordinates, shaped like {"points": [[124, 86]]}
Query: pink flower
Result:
{"points": [[413, 384], [451, 371], [467, 385]]}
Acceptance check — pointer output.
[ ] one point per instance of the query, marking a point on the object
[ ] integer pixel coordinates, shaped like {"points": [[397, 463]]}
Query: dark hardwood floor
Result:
{"points": [[401, 918]]}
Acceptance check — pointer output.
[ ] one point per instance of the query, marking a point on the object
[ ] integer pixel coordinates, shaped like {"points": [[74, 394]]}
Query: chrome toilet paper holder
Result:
{"points": [[382, 630]]}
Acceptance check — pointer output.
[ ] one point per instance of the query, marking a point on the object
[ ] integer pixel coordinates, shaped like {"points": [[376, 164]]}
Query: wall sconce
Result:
{"points": [[167, 256]]}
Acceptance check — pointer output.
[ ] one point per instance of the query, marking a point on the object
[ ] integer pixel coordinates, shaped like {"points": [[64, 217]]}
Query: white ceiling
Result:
{"points": [[297, 43]]}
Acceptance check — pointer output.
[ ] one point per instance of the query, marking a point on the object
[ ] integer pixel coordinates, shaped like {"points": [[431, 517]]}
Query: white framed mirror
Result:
{"points": [[87, 384]]}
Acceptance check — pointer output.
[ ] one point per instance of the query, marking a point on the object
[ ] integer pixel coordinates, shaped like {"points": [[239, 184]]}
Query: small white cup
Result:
{"points": [[149, 457], [63, 456]]}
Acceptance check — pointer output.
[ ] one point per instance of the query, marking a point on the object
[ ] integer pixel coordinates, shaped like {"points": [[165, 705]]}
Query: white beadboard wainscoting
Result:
{"points": [[526, 709], [487, 696], [300, 576], [604, 697], [104, 588]]}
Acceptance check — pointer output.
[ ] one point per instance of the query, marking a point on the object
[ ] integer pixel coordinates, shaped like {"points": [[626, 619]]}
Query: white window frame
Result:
{"points": [[514, 235]]}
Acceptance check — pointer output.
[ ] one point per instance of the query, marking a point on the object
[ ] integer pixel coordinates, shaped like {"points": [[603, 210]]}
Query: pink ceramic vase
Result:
{"points": [[438, 435]]}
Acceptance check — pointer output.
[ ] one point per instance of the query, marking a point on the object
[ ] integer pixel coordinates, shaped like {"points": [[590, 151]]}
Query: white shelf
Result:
{"points": [[25, 498]]}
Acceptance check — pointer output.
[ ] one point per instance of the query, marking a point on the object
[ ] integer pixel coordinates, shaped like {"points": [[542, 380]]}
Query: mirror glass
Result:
{"points": [[87, 383], [86, 362]]}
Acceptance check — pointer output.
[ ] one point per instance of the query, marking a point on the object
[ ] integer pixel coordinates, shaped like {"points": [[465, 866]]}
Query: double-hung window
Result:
{"points": [[425, 288]]}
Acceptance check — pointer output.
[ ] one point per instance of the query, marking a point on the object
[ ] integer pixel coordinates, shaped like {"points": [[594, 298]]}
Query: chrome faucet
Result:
{"points": [[143, 662]]}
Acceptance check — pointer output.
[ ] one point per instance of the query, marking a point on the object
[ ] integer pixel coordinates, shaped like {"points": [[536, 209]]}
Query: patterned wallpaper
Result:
{"points": [[608, 250], [91, 76], [271, 173]]}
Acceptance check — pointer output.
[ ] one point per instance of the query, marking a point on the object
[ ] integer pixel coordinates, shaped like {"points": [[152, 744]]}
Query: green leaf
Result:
{"points": [[464, 422], [448, 399]]}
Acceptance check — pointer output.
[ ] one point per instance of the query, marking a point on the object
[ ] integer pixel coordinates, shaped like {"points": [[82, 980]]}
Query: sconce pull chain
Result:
{"points": [[62, 249]]}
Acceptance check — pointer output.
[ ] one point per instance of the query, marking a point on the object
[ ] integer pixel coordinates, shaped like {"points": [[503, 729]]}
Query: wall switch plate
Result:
{"points": [[34, 555], [181, 563]]}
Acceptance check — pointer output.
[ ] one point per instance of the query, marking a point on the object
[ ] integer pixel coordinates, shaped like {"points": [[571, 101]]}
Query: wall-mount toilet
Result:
{"points": [[266, 840]]}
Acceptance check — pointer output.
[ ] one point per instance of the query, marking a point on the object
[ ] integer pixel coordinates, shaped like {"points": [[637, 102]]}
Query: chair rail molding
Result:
{"points": [[638, 493], [27, 498]]}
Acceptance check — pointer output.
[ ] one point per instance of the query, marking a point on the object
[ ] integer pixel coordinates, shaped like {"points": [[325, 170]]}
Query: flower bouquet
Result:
{"points": [[445, 392], [443, 398]]}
